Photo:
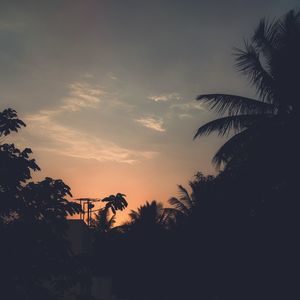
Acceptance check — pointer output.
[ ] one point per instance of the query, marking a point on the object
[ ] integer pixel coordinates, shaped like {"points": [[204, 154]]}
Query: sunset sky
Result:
{"points": [[107, 87]]}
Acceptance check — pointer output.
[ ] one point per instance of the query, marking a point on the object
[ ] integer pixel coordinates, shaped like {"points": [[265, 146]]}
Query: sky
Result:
{"points": [[107, 88]]}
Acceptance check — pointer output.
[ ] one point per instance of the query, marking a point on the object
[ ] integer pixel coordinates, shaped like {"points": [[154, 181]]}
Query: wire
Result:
{"points": [[92, 210]]}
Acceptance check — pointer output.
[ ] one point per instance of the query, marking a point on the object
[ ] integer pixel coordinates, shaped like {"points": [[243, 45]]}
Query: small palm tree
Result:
{"points": [[149, 218], [115, 202], [149, 214], [271, 60], [103, 221]]}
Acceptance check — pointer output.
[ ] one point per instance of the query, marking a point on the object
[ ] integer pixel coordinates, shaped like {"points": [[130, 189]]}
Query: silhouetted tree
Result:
{"points": [[106, 252], [36, 259], [103, 222], [256, 202], [186, 203], [9, 122], [116, 202], [264, 128], [149, 217]]}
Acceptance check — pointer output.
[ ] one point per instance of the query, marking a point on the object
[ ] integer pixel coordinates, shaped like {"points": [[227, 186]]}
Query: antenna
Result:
{"points": [[87, 206]]}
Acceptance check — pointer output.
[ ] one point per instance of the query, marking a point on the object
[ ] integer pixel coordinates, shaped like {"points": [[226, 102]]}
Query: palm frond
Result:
{"points": [[185, 197], [239, 145], [230, 148], [172, 212], [178, 205], [248, 62], [134, 215], [103, 221], [173, 217], [234, 105], [164, 216], [226, 124], [266, 36]]}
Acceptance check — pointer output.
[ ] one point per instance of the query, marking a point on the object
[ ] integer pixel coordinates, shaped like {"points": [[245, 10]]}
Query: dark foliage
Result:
{"points": [[233, 236], [36, 259], [227, 237]]}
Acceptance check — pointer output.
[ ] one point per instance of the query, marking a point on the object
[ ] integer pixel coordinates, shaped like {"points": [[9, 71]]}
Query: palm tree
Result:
{"points": [[149, 218], [264, 127], [149, 214], [103, 221], [115, 202]]}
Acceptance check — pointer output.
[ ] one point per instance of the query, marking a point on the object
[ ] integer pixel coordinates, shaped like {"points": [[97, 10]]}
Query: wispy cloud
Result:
{"points": [[152, 123], [48, 134], [112, 76], [165, 97], [184, 110], [188, 106], [82, 95], [63, 140], [184, 116]]}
